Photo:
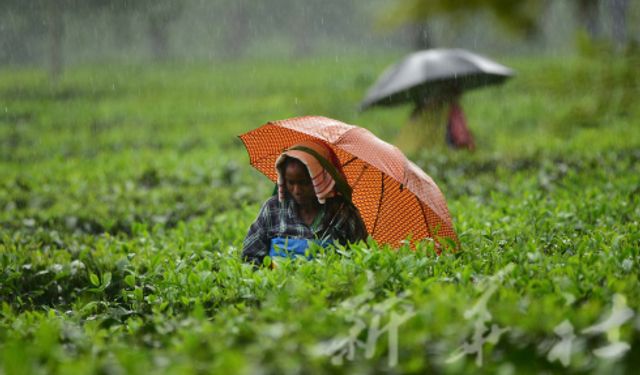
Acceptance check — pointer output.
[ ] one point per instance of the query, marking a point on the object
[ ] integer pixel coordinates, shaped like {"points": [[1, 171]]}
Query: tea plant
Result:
{"points": [[125, 198]]}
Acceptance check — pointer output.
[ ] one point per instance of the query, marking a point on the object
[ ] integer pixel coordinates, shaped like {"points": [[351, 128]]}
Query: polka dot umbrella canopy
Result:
{"points": [[396, 199]]}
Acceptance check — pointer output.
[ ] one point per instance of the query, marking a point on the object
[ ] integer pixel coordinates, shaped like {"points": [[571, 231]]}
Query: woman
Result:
{"points": [[427, 124], [306, 208]]}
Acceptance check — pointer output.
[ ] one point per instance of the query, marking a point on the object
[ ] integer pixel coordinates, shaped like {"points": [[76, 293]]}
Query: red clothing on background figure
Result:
{"points": [[458, 134]]}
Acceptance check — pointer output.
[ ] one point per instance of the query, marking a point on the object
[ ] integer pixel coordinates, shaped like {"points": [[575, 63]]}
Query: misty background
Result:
{"points": [[59, 34]]}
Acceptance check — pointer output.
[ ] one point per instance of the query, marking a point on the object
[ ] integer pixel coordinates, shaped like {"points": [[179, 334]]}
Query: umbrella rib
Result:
{"points": [[375, 223], [424, 216], [355, 184], [349, 161]]}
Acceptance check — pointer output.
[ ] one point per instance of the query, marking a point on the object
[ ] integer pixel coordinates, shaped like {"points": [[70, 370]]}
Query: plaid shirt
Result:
{"points": [[341, 223]]}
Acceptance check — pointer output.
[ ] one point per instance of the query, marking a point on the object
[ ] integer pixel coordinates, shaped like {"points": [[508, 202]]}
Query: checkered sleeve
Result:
{"points": [[256, 244]]}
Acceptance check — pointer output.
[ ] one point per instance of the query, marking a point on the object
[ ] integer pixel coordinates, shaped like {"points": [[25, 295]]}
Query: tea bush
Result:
{"points": [[125, 197]]}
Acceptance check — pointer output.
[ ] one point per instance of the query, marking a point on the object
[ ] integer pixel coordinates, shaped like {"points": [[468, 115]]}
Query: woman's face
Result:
{"points": [[299, 184]]}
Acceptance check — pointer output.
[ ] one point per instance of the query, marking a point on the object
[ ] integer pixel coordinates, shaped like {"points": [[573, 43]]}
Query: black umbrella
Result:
{"points": [[434, 73]]}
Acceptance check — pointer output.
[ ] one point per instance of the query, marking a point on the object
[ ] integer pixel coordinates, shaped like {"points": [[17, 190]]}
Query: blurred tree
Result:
{"points": [[237, 19], [18, 32], [161, 13], [53, 32], [23, 22], [47, 17], [520, 17], [422, 38], [619, 10], [298, 25], [306, 22], [158, 15], [589, 16], [55, 23], [49, 14]]}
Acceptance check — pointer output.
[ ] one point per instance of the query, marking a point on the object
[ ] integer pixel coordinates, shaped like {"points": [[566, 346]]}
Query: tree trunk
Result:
{"points": [[301, 26], [302, 43], [236, 37], [422, 37], [161, 15], [159, 37], [56, 33], [618, 9], [589, 17], [122, 29]]}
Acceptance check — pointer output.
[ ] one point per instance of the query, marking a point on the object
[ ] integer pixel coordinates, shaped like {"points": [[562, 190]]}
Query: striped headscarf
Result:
{"points": [[324, 184]]}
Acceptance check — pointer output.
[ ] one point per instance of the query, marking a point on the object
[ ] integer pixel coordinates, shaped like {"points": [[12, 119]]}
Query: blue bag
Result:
{"points": [[292, 247]]}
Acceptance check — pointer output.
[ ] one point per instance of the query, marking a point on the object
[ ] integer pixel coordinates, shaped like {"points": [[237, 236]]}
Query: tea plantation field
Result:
{"points": [[125, 196]]}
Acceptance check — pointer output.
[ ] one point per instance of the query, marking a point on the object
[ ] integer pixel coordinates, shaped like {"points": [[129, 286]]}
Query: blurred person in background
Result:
{"points": [[435, 118]]}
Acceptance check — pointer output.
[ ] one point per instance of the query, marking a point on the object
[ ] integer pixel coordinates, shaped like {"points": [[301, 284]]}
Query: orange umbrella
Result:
{"points": [[395, 197]]}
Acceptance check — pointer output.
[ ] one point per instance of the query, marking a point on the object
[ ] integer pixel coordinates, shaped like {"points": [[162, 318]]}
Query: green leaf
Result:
{"points": [[130, 280], [106, 279], [94, 279]]}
